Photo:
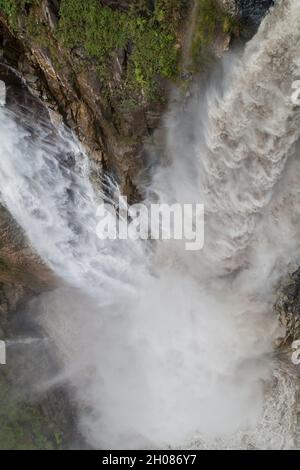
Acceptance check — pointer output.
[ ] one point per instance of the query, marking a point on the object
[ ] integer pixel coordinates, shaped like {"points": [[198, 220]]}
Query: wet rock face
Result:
{"points": [[254, 10]]}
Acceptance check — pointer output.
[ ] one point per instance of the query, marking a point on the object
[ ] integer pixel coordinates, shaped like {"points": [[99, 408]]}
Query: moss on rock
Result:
{"points": [[13, 8], [149, 36], [211, 20]]}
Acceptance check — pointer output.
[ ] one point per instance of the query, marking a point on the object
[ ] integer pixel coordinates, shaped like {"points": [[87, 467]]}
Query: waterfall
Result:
{"points": [[46, 186], [166, 347]]}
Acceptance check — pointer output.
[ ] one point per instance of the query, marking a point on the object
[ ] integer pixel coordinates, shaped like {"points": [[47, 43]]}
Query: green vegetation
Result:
{"points": [[149, 36], [23, 426], [210, 20], [12, 9], [4, 264], [148, 40]]}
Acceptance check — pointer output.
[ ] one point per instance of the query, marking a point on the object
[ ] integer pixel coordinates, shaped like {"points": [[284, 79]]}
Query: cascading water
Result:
{"points": [[164, 346], [50, 195]]}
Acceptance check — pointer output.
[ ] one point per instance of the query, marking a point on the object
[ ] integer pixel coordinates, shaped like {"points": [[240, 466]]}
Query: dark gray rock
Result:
{"points": [[254, 10]]}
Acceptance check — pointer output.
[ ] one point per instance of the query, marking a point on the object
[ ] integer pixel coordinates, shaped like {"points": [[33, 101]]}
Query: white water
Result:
{"points": [[167, 347]]}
